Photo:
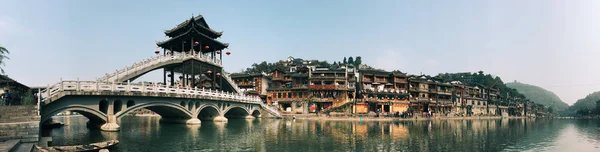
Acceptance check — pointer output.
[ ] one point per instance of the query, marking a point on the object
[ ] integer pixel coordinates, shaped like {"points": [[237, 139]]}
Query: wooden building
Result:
{"points": [[255, 84], [382, 91]]}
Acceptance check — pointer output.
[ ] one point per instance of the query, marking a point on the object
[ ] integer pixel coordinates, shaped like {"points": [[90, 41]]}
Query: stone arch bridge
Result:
{"points": [[104, 102]]}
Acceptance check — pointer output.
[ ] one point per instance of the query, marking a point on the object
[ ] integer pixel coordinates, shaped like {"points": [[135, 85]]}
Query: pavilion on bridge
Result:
{"points": [[194, 36]]}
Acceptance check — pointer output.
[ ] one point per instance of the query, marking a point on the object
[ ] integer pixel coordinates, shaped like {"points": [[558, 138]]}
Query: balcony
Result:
{"points": [[300, 86], [399, 80], [328, 87], [245, 84], [367, 80], [445, 92]]}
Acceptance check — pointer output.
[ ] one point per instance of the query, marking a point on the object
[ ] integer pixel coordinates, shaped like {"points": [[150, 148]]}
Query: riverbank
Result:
{"points": [[370, 118]]}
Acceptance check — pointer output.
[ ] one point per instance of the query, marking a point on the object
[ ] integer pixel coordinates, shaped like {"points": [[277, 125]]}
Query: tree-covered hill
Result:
{"points": [[589, 102], [539, 95]]}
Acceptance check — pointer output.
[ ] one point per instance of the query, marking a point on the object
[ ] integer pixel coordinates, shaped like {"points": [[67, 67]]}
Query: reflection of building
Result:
{"points": [[360, 129], [398, 131]]}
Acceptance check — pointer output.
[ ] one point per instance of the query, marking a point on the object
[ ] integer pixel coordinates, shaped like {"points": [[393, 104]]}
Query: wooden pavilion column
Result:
{"points": [[172, 70], [221, 80], [193, 84], [214, 79], [164, 69]]}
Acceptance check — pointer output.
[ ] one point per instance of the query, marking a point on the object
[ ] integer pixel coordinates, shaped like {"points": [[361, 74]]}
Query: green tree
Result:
{"points": [[27, 98], [345, 61], [3, 53], [358, 61], [350, 60], [324, 64], [598, 107]]}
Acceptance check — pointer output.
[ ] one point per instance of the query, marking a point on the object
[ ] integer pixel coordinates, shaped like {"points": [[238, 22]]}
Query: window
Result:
{"points": [[279, 95], [299, 94], [284, 95], [289, 95]]}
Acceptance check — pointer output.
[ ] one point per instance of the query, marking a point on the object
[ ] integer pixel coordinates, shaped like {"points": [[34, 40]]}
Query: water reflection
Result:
{"points": [[147, 134]]}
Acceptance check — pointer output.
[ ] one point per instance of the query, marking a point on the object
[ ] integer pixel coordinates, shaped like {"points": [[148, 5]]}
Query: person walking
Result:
{"points": [[6, 97]]}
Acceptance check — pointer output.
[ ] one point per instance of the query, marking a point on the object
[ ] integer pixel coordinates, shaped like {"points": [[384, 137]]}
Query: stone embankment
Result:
{"points": [[371, 118], [19, 127]]}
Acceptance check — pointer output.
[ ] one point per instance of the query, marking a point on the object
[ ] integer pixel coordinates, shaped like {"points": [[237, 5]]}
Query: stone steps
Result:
{"points": [[9, 145], [19, 119], [28, 131], [24, 147]]}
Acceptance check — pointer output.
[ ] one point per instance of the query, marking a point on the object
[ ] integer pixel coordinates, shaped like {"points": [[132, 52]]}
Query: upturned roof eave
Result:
{"points": [[223, 45], [193, 22]]}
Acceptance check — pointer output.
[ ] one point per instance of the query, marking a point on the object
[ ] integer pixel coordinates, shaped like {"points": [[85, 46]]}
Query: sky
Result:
{"points": [[549, 43]]}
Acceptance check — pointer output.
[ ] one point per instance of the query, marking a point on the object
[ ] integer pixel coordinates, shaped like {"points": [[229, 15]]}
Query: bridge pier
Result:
{"points": [[220, 119], [111, 124], [193, 121], [249, 117]]}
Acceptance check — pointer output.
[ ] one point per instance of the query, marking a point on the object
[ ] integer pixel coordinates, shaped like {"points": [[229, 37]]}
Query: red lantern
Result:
{"points": [[206, 47], [227, 52], [196, 43], [157, 51], [218, 52], [209, 72], [218, 74]]}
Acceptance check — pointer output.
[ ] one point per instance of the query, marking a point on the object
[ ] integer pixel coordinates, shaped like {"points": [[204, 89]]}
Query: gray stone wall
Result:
{"points": [[19, 122]]}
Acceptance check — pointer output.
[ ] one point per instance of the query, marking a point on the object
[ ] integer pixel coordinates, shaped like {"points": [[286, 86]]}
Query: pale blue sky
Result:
{"points": [[553, 44]]}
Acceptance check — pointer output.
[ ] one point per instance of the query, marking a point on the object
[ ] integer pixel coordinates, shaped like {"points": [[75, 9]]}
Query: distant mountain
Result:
{"points": [[539, 95], [588, 102]]}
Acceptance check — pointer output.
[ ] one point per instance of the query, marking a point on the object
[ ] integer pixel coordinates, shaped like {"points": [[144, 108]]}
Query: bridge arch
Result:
{"points": [[130, 103], [117, 106], [103, 106], [208, 112], [164, 109], [92, 114], [236, 112], [256, 113]]}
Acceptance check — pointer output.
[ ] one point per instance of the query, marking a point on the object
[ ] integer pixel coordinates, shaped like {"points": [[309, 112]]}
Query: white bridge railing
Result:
{"points": [[235, 86], [95, 86], [156, 60], [270, 109]]}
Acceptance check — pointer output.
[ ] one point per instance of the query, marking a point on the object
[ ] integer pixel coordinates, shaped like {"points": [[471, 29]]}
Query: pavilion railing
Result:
{"points": [[96, 86], [158, 60]]}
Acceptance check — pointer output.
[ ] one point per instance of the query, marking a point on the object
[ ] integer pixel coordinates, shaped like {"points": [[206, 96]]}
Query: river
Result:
{"points": [[145, 133]]}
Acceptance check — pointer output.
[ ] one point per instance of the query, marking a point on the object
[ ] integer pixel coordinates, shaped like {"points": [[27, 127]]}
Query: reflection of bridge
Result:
{"points": [[198, 94]]}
